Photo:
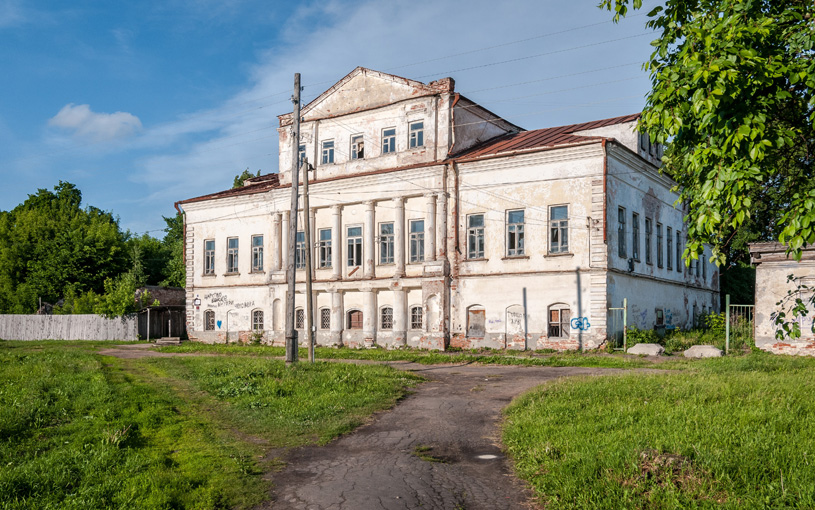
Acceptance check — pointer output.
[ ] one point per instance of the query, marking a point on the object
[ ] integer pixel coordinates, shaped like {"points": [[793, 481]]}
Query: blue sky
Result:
{"points": [[142, 104]]}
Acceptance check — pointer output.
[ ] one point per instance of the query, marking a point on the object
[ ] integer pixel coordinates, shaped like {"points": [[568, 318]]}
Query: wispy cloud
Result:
{"points": [[87, 124], [11, 13]]}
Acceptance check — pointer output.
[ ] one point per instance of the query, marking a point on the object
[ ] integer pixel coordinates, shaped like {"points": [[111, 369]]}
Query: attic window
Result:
{"points": [[357, 147], [388, 140], [328, 152], [416, 134]]}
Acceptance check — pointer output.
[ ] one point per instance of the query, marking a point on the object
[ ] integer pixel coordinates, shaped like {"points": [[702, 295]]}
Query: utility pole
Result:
{"points": [[307, 233], [291, 333]]}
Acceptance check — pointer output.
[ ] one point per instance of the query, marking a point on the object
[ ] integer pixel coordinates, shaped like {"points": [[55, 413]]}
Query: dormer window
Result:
{"points": [[328, 152], [416, 135], [388, 140], [357, 147]]}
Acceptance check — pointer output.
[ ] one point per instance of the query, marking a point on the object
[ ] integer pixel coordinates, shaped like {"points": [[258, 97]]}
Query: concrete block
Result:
{"points": [[647, 349], [703, 351]]}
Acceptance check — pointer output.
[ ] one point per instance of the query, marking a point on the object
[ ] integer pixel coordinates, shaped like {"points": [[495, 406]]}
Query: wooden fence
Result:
{"points": [[67, 327]]}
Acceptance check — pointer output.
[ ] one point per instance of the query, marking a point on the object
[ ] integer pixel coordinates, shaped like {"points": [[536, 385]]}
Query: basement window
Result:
{"points": [[209, 320], [325, 318]]}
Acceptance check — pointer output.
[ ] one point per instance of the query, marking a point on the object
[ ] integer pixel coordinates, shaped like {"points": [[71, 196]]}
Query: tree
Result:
{"points": [[241, 177], [733, 84], [175, 273], [50, 246]]}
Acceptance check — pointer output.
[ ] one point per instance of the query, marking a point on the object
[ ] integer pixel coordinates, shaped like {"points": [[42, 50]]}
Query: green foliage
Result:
{"points": [[733, 97], [739, 280], [49, 246], [175, 269], [793, 308], [635, 336], [721, 435], [241, 177], [715, 323]]}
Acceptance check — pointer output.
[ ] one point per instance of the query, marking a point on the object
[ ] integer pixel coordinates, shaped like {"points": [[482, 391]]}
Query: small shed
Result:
{"points": [[774, 286], [167, 319]]}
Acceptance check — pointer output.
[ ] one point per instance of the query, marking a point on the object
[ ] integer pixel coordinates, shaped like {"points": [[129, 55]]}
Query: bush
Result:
{"points": [[635, 336]]}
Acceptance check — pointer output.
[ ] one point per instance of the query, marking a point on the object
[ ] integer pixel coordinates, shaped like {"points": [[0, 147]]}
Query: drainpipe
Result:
{"points": [[605, 192]]}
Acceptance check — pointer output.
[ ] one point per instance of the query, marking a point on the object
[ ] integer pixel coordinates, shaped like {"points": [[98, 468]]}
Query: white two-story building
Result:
{"points": [[437, 224]]}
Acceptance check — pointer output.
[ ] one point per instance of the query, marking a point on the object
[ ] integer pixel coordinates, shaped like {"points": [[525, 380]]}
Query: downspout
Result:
{"points": [[605, 192], [456, 212]]}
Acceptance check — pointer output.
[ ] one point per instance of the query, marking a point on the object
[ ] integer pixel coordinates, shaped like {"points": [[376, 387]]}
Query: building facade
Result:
{"points": [[438, 224]]}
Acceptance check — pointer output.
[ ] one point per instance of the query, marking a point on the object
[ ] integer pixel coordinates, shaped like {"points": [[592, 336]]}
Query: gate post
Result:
{"points": [[625, 324], [727, 323]]}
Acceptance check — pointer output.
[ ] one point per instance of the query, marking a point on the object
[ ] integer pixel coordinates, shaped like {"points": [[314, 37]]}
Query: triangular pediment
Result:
{"points": [[364, 89]]}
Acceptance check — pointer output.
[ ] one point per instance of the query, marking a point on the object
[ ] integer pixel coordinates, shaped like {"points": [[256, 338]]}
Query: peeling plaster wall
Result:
{"points": [[771, 287]]}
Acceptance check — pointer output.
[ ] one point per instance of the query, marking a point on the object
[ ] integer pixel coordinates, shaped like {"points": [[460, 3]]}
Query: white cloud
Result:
{"points": [[93, 126]]}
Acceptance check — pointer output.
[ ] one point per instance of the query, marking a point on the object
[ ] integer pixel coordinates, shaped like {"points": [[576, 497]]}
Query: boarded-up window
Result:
{"points": [[476, 322], [355, 319], [559, 322], [660, 317]]}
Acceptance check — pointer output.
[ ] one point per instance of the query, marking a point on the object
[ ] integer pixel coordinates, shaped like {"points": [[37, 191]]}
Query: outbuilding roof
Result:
{"points": [[251, 186]]}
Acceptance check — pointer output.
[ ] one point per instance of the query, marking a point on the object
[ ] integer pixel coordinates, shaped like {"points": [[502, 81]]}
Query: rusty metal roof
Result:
{"points": [[538, 138], [259, 184]]}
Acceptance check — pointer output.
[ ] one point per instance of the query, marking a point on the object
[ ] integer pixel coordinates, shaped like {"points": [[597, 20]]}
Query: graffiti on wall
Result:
{"points": [[580, 323]]}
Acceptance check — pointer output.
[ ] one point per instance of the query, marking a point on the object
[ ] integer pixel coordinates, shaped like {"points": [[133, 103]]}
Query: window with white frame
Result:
{"points": [[635, 236], [559, 229], [386, 243], [559, 317], [416, 240], [659, 245], [300, 250], [386, 318], [416, 319], [388, 140], [301, 153], [325, 247], [648, 232], [515, 233], [416, 134], [232, 255], [475, 236], [257, 320], [299, 319], [325, 318], [621, 240], [209, 256], [328, 152], [669, 248], [209, 320], [257, 253], [354, 242], [357, 147]]}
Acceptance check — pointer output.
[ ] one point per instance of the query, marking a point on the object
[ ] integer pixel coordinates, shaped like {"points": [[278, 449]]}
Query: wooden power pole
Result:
{"points": [[307, 233], [291, 332]]}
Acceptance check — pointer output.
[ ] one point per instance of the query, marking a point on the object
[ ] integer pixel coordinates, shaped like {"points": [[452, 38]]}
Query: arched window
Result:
{"points": [[209, 320], [299, 318], [476, 321], [325, 318], [386, 318], [355, 319], [416, 317], [559, 317], [257, 320]]}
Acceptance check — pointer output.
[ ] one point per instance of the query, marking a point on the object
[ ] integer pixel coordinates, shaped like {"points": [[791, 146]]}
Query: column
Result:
{"points": [[337, 317], [276, 245], [310, 243], [441, 226], [430, 229], [336, 243], [369, 317], [399, 236], [284, 240], [368, 246], [399, 317]]}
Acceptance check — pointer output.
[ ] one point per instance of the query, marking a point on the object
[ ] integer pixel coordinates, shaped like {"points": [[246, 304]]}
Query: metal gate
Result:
{"points": [[740, 326], [617, 318]]}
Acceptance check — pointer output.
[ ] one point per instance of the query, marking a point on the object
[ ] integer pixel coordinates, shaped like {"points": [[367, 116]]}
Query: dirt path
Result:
{"points": [[439, 448]]}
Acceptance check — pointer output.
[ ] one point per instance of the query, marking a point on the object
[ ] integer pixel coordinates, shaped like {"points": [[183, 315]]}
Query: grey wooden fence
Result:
{"points": [[67, 327]]}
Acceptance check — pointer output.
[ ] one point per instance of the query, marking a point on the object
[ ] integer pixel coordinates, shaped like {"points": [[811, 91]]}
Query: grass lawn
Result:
{"points": [[735, 432], [80, 430], [525, 358]]}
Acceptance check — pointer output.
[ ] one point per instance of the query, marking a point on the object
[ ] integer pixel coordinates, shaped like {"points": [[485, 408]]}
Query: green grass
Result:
{"points": [[80, 430], [524, 358], [736, 432]]}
